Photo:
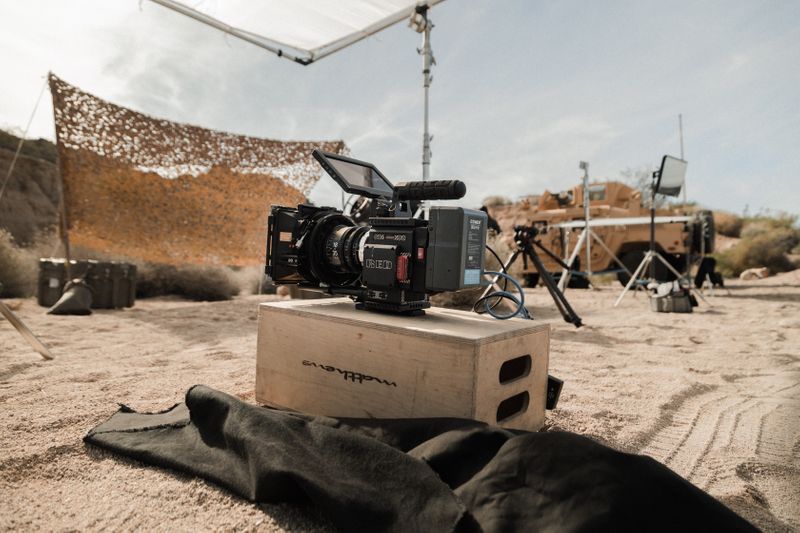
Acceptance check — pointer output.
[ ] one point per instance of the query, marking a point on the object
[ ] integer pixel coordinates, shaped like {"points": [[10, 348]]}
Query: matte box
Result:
{"points": [[325, 357]]}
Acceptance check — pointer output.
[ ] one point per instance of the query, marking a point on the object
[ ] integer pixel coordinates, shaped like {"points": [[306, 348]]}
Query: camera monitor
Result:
{"points": [[671, 176], [354, 176]]}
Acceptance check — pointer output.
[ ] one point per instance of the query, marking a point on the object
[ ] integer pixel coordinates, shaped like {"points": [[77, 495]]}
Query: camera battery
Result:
{"points": [[455, 249]]}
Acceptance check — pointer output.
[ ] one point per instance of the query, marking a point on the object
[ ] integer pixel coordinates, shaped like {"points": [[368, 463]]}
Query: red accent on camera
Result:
{"points": [[402, 268]]}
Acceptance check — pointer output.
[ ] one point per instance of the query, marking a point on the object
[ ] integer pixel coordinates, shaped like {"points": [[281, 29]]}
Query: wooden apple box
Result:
{"points": [[325, 357]]}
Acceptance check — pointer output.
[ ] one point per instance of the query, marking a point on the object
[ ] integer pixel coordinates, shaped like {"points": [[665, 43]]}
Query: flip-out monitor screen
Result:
{"points": [[355, 177]]}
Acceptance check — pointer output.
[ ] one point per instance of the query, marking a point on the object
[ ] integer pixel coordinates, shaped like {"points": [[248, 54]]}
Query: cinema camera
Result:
{"points": [[394, 262]]}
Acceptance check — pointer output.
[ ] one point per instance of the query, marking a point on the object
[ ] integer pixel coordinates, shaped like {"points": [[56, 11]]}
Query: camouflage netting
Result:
{"points": [[152, 189]]}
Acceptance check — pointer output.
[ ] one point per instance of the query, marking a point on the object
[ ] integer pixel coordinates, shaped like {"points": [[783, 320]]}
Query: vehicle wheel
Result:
{"points": [[631, 260]]}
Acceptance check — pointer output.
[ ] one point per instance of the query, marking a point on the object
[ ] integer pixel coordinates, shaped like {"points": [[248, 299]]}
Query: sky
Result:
{"points": [[523, 90]]}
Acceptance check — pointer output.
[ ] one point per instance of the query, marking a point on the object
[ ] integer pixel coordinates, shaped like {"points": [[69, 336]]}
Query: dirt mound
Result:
{"points": [[29, 205]]}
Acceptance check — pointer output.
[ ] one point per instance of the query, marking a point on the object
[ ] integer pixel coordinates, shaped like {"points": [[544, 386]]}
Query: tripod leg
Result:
{"points": [[565, 273], [549, 254], [559, 299], [26, 333], [635, 276]]}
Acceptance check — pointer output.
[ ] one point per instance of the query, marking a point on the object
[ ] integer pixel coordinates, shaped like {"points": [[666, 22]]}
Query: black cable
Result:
{"points": [[497, 298], [519, 302]]}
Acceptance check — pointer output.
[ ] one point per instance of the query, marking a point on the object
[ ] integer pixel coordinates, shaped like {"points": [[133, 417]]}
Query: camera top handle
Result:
{"points": [[430, 190]]}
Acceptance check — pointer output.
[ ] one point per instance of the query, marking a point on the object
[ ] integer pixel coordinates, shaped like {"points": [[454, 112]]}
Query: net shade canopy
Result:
{"points": [[301, 30], [141, 188]]}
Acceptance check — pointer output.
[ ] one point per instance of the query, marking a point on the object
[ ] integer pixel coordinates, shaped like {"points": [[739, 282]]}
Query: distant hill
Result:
{"points": [[30, 203]]}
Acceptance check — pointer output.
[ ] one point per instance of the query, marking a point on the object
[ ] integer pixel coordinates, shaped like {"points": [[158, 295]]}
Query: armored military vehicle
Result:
{"points": [[620, 220]]}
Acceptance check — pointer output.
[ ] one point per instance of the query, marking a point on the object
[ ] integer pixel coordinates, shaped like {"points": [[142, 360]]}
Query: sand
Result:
{"points": [[714, 395]]}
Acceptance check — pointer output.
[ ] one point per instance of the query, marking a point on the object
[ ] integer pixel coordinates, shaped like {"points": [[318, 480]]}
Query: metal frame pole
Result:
{"points": [[427, 62], [565, 273], [585, 167], [654, 186], [427, 59]]}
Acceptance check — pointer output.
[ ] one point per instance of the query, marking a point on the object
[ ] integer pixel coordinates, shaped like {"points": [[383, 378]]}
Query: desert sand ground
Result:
{"points": [[714, 395]]}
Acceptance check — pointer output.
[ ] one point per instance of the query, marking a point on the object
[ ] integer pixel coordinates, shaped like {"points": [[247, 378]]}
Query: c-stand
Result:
{"points": [[524, 237]]}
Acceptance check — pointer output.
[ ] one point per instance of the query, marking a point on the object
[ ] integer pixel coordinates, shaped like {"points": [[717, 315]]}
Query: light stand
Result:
{"points": [[422, 24], [651, 255], [585, 167], [586, 237]]}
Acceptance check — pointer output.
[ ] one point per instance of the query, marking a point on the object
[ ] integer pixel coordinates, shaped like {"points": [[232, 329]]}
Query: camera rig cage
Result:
{"points": [[395, 261]]}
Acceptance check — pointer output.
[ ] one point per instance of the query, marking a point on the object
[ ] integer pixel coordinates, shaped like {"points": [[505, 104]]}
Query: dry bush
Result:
{"points": [[190, 281], [19, 265], [18, 268], [728, 224], [248, 279], [496, 201], [767, 248], [603, 280]]}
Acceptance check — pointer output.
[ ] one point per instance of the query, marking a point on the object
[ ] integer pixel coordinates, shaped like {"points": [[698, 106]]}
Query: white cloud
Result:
{"points": [[522, 92]]}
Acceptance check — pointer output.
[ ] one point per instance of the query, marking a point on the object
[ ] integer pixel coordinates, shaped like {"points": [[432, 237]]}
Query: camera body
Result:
{"points": [[391, 264]]}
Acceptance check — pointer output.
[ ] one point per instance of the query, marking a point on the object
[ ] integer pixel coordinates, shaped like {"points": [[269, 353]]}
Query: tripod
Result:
{"points": [[524, 237], [652, 254], [586, 237]]}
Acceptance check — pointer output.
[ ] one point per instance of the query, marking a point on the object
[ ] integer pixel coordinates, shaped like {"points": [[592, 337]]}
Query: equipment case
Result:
{"points": [[113, 283]]}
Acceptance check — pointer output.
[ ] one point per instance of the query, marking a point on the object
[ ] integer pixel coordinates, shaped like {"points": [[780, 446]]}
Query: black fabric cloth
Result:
{"points": [[414, 474]]}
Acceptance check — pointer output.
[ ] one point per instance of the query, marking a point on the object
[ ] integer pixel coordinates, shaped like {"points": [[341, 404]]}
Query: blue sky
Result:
{"points": [[523, 90]]}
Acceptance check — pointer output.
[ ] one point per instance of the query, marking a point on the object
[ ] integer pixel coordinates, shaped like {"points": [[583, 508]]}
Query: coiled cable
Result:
{"points": [[499, 295]]}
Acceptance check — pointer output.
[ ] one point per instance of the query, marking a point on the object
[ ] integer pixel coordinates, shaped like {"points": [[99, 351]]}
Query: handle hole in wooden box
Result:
{"points": [[515, 369], [513, 406]]}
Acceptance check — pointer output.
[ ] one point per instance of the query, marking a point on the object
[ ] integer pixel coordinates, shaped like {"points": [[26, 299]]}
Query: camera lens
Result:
{"points": [[330, 250], [342, 248]]}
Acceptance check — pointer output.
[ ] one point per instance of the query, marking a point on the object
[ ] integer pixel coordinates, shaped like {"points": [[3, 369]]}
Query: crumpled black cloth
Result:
{"points": [[437, 474]]}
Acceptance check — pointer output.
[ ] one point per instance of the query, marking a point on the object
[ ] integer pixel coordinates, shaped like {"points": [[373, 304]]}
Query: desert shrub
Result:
{"points": [[754, 226], [531, 199], [18, 268], [604, 280], [760, 247], [728, 224], [496, 201], [252, 280], [190, 281]]}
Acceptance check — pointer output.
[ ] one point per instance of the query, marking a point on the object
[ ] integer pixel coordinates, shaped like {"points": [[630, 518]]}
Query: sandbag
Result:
{"points": [[76, 300]]}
